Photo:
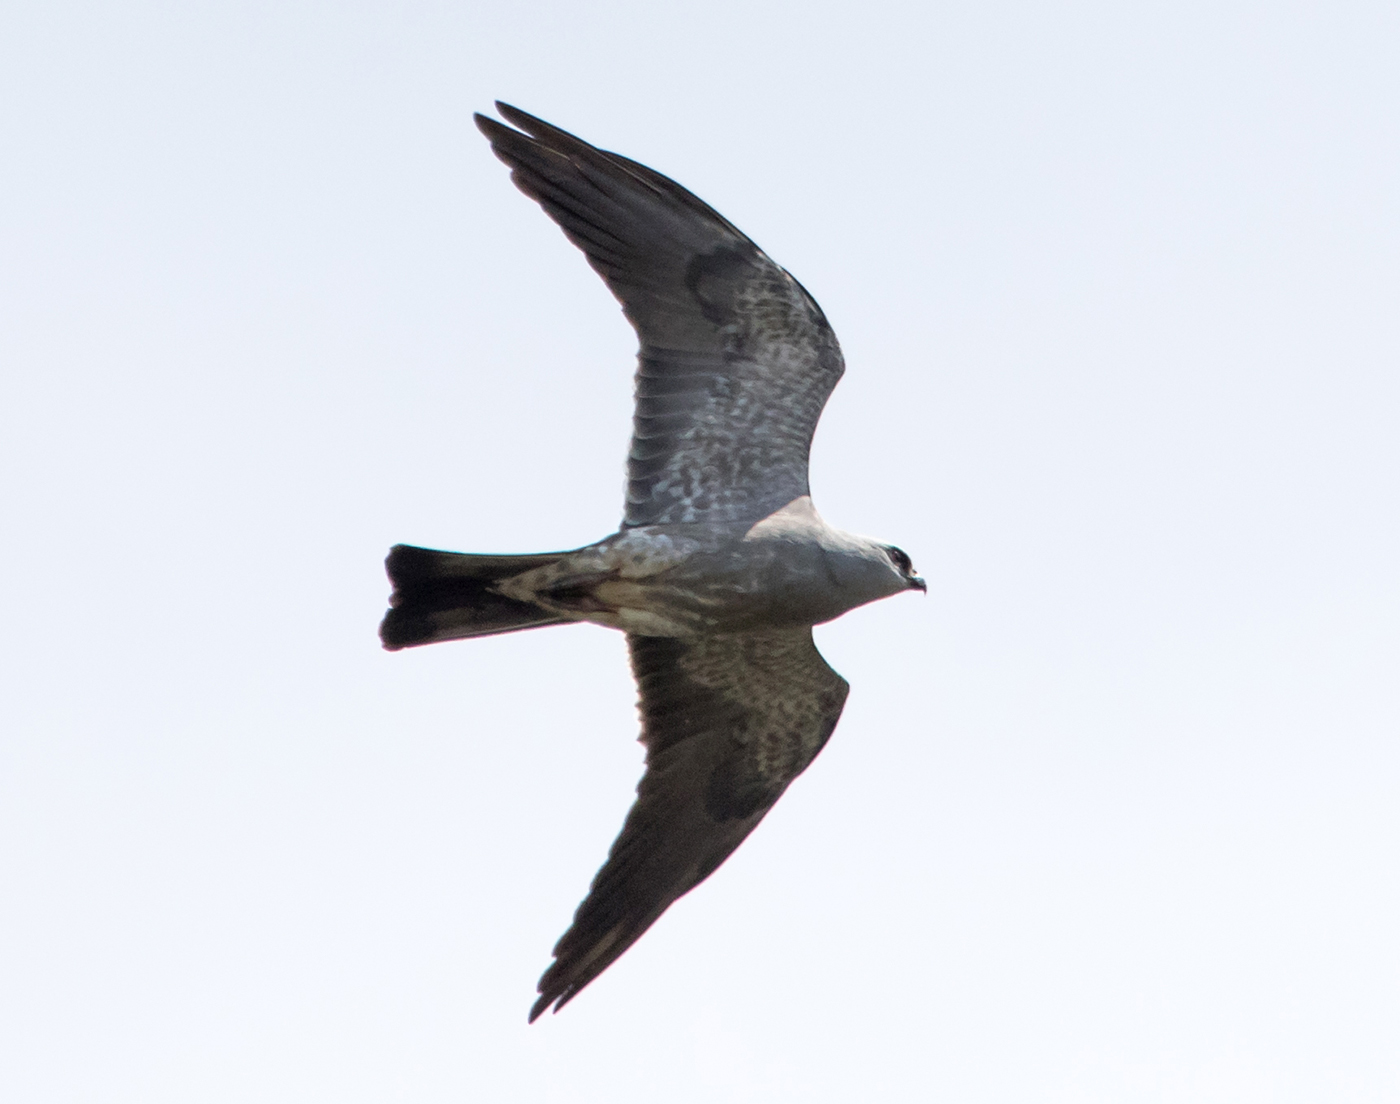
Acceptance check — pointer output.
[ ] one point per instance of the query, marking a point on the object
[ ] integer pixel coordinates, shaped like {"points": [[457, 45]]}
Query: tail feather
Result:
{"points": [[448, 596]]}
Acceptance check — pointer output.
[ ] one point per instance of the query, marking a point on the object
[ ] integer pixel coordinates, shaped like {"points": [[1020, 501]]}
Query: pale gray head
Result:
{"points": [[900, 561], [858, 570]]}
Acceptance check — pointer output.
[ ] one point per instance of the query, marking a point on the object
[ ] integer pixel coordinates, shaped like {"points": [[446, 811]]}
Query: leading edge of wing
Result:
{"points": [[564, 141], [638, 228], [728, 722]]}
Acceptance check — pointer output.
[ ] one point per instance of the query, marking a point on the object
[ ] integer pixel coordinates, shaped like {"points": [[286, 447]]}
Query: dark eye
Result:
{"points": [[901, 560]]}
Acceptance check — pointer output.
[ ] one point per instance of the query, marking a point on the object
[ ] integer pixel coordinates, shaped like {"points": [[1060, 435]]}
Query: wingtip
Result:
{"points": [[496, 131], [540, 1006], [512, 114], [541, 131], [489, 126]]}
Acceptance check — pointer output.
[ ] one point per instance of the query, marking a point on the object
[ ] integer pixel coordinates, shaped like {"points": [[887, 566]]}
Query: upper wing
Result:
{"points": [[736, 359], [728, 722]]}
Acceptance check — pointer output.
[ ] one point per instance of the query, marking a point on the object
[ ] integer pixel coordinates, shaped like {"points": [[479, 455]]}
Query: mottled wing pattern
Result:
{"points": [[728, 722], [736, 359]]}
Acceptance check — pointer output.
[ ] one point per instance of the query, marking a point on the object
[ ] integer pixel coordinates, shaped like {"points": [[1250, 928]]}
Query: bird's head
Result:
{"points": [[900, 561]]}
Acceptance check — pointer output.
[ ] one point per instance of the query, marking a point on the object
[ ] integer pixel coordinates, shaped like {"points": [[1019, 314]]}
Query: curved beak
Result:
{"points": [[916, 582]]}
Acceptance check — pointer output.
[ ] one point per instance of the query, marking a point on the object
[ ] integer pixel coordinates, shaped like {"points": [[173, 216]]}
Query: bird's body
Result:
{"points": [[721, 566], [789, 570]]}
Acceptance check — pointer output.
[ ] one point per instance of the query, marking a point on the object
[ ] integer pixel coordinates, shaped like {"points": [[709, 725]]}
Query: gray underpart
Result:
{"points": [[790, 570]]}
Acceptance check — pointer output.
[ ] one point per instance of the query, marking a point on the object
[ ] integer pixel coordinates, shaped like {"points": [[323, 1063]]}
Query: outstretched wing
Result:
{"points": [[728, 721], [736, 359]]}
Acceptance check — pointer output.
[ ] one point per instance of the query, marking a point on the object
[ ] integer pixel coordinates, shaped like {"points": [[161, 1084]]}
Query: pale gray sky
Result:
{"points": [[1111, 816]]}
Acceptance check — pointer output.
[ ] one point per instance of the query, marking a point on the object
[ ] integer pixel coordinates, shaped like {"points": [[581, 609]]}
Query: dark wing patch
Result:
{"points": [[728, 722], [736, 359]]}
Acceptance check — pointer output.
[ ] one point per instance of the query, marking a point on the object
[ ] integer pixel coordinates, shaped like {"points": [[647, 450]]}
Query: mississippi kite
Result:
{"points": [[721, 565]]}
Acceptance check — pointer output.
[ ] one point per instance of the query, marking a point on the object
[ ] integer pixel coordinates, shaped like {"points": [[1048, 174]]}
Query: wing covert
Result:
{"points": [[736, 360], [728, 723]]}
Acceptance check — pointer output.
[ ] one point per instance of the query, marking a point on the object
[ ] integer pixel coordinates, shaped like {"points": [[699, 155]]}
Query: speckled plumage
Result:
{"points": [[721, 566]]}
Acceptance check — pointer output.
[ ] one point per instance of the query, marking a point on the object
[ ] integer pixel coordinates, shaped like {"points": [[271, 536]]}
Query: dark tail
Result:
{"points": [[447, 596]]}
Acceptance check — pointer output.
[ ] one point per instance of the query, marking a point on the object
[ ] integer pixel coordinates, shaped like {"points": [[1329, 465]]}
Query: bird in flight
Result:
{"points": [[720, 567]]}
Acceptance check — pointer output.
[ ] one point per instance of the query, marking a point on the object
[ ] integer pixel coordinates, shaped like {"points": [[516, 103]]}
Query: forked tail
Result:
{"points": [[448, 596]]}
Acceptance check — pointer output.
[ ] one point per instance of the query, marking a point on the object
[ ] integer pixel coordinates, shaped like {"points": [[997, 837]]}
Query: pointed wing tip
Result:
{"points": [[524, 120], [489, 126], [558, 998]]}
